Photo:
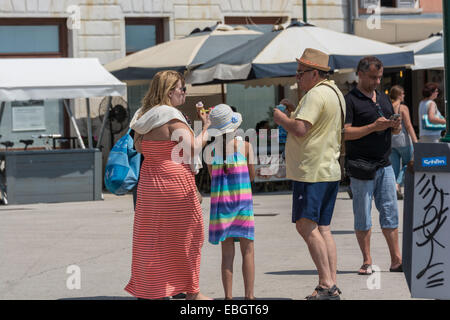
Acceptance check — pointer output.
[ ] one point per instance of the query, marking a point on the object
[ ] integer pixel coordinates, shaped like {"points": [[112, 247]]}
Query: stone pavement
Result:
{"points": [[39, 243]]}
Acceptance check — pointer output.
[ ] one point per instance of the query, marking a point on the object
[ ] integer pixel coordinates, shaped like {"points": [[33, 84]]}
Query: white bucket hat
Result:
{"points": [[224, 120]]}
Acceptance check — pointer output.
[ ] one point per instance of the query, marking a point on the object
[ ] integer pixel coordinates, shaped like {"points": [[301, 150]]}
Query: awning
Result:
{"points": [[56, 78], [428, 53], [429, 61]]}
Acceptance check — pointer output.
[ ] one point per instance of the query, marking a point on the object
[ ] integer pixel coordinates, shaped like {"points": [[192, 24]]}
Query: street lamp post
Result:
{"points": [[305, 17], [446, 16]]}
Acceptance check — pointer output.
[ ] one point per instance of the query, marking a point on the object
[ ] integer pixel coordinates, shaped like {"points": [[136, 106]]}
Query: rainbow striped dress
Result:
{"points": [[231, 214]]}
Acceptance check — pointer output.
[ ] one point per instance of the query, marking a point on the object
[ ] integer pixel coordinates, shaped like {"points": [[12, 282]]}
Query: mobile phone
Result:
{"points": [[395, 116]]}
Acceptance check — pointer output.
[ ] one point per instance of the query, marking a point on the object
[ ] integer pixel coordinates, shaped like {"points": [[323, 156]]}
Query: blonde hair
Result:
{"points": [[396, 92], [158, 93]]}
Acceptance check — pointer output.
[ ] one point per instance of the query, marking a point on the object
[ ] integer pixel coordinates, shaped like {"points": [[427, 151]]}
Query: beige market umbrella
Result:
{"points": [[180, 54]]}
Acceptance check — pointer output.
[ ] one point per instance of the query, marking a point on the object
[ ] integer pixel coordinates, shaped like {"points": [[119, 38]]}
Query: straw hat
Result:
{"points": [[224, 119], [314, 59]]}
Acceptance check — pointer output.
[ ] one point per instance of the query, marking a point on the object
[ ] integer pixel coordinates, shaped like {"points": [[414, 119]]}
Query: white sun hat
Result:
{"points": [[224, 120]]}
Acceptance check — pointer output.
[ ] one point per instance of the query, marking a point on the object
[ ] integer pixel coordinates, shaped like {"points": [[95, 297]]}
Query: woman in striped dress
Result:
{"points": [[231, 215], [168, 223]]}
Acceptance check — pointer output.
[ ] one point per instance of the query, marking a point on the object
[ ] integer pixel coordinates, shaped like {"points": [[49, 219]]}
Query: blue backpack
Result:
{"points": [[122, 168]]}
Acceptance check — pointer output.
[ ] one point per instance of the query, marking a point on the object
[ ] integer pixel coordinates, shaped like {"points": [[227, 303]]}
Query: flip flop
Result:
{"points": [[367, 270]]}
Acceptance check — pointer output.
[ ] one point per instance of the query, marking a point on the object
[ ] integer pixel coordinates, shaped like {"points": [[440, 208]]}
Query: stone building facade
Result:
{"points": [[97, 27]]}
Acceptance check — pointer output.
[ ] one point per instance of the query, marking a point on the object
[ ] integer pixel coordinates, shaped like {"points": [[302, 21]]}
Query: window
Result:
{"points": [[364, 4], [262, 24], [142, 33], [387, 3], [33, 38], [400, 4]]}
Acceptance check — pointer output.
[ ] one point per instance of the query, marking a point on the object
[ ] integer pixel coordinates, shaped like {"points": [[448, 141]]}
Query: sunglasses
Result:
{"points": [[300, 73], [183, 89]]}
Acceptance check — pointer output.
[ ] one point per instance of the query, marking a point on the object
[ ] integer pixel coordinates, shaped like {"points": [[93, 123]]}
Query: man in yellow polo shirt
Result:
{"points": [[312, 162]]}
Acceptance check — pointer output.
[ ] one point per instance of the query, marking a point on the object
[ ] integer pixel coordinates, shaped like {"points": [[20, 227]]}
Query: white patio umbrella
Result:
{"points": [[428, 53], [180, 54], [270, 59]]}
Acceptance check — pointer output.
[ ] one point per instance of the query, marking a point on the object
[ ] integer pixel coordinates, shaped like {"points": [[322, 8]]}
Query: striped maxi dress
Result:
{"points": [[168, 227], [231, 214]]}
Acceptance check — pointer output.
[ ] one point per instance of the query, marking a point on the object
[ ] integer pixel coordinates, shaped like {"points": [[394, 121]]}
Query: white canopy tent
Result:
{"points": [[57, 78], [54, 175]]}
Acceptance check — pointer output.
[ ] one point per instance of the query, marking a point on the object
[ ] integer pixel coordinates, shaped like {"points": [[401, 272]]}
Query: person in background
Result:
{"points": [[428, 107], [264, 124], [261, 135], [368, 133], [402, 143]]}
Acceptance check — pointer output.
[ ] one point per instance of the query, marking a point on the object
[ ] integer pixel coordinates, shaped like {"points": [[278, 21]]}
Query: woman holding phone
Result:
{"points": [[402, 147]]}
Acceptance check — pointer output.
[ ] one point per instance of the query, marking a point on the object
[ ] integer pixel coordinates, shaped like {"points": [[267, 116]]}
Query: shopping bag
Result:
{"points": [[427, 125], [122, 168]]}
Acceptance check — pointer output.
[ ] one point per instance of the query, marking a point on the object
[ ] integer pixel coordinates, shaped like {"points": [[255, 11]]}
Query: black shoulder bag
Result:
{"points": [[359, 169]]}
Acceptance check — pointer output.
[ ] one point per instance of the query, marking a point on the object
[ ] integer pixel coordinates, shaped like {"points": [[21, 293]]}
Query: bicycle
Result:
{"points": [[7, 144], [47, 138], [26, 143]]}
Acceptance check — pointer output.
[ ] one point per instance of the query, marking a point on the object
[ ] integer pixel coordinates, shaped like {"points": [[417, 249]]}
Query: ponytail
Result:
{"points": [[225, 137]]}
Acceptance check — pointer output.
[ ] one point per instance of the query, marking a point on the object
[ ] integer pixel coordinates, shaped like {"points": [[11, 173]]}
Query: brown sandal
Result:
{"points": [[334, 293], [367, 270], [311, 296]]}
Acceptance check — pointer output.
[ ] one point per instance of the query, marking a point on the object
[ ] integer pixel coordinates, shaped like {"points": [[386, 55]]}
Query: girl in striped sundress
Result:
{"points": [[231, 214]]}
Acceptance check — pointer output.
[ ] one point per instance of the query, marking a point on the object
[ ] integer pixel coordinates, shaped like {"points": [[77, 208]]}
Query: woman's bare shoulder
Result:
{"points": [[404, 107]]}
